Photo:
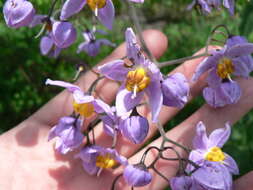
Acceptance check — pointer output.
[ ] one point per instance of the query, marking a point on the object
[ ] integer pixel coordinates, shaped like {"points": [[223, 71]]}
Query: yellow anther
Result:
{"points": [[215, 154], [105, 161], [96, 4], [225, 67], [86, 109], [137, 80]]}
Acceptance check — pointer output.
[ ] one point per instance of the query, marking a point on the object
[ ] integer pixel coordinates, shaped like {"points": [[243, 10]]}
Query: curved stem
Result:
{"points": [[115, 181]]}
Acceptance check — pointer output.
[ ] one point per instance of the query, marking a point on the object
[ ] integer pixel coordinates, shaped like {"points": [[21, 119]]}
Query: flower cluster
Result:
{"points": [[215, 167]]}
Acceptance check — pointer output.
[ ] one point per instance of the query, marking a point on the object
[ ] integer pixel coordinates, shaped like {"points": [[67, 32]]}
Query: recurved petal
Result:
{"points": [[181, 183], [125, 100], [81, 98], [243, 65], [137, 1], [154, 92], [71, 7], [220, 136], [230, 5], [101, 107], [200, 141], [240, 50], [106, 14], [114, 70], [69, 86], [230, 163]]}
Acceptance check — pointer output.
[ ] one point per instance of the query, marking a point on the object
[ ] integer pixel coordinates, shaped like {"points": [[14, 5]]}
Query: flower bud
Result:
{"points": [[64, 34], [137, 175], [175, 90], [135, 128], [18, 13]]}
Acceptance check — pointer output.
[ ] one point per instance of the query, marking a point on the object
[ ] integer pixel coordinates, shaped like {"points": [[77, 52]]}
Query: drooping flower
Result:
{"points": [[135, 128], [207, 5], [92, 45], [48, 47], [69, 136], [175, 89], [18, 13], [103, 9], [137, 175], [83, 104], [209, 148], [63, 34], [233, 59], [141, 77], [95, 158]]}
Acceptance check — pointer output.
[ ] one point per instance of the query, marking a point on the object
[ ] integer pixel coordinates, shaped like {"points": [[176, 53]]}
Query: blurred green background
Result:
{"points": [[24, 70]]}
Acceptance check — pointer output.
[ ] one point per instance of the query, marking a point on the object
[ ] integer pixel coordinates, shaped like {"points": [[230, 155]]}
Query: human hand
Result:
{"points": [[29, 161]]}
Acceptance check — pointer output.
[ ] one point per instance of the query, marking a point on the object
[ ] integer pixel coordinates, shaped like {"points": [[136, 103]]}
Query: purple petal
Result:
{"points": [[213, 79], [90, 167], [125, 101], [18, 13], [226, 93], [114, 70], [234, 40], [135, 128], [243, 66], [63, 34], [181, 183], [155, 95], [91, 48], [102, 107], [240, 50], [105, 42], [46, 44], [136, 176], [207, 64], [108, 125], [106, 14], [71, 7], [230, 5], [230, 163], [211, 175], [37, 19], [69, 86], [197, 157], [200, 141], [81, 98], [220, 136], [120, 159], [175, 90]]}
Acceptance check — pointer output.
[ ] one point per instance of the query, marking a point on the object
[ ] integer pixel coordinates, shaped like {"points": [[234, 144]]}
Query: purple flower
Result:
{"points": [[103, 9], [68, 133], [48, 47], [234, 59], [95, 158], [18, 13], [209, 148], [135, 128], [137, 175], [207, 5], [83, 104], [141, 77], [91, 45], [175, 89], [63, 34]]}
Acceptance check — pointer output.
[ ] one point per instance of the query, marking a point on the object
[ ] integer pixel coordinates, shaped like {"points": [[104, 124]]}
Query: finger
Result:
{"points": [[127, 148], [245, 182], [61, 105], [183, 134]]}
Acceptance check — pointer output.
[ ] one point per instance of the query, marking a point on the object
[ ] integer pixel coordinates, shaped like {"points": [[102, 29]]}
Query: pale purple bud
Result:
{"points": [[175, 89], [18, 13], [135, 128], [63, 34], [137, 175]]}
